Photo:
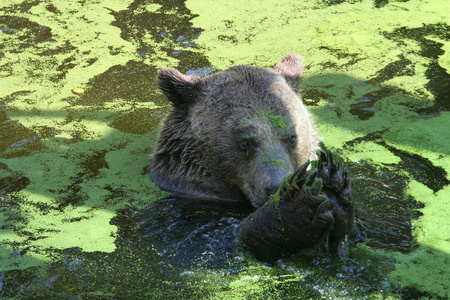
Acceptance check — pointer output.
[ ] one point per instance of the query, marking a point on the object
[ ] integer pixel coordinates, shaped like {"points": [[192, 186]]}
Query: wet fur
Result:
{"points": [[237, 136], [196, 151]]}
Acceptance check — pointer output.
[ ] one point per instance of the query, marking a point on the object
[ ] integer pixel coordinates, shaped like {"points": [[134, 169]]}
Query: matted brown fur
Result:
{"points": [[202, 150]]}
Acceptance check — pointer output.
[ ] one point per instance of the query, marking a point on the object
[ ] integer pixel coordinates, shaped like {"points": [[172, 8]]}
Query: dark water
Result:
{"points": [[179, 249], [167, 248]]}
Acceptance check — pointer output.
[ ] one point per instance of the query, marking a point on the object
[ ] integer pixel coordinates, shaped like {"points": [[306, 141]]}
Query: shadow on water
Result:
{"points": [[185, 249]]}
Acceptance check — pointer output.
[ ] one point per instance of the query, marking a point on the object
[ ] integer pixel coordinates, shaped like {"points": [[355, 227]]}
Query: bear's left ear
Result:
{"points": [[291, 68], [180, 89]]}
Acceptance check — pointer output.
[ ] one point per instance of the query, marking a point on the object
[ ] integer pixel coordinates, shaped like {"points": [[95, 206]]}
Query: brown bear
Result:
{"points": [[244, 134]]}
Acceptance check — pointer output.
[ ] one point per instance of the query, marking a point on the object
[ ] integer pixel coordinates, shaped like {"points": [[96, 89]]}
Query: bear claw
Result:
{"points": [[300, 175], [325, 192]]}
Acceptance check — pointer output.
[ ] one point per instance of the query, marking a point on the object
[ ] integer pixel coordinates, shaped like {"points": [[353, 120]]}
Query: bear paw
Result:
{"points": [[312, 207], [325, 195], [338, 188]]}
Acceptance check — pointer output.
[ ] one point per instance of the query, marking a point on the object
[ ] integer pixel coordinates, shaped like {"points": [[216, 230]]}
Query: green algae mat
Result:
{"points": [[80, 111]]}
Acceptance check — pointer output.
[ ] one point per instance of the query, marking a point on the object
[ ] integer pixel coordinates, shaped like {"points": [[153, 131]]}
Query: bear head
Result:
{"points": [[235, 134]]}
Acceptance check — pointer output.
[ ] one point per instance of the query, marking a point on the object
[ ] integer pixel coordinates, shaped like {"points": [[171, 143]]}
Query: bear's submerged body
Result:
{"points": [[189, 233], [244, 135]]}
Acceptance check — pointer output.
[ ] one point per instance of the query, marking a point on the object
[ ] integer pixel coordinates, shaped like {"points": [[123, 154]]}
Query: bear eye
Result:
{"points": [[244, 144], [293, 140]]}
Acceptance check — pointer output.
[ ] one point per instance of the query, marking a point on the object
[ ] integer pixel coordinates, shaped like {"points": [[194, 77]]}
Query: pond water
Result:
{"points": [[80, 112]]}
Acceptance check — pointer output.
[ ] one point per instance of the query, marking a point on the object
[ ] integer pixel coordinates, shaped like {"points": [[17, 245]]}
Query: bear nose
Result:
{"points": [[272, 189]]}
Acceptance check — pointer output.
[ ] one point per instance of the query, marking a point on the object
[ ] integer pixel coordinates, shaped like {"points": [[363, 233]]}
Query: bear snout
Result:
{"points": [[272, 189], [273, 181], [268, 183]]}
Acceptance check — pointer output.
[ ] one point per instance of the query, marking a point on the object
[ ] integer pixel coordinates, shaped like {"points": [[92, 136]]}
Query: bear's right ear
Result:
{"points": [[180, 89]]}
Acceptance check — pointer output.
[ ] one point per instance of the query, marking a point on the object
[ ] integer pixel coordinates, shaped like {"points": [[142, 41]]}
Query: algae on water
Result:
{"points": [[79, 114]]}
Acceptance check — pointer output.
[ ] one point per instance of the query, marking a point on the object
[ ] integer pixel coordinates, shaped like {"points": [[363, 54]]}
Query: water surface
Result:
{"points": [[80, 111]]}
